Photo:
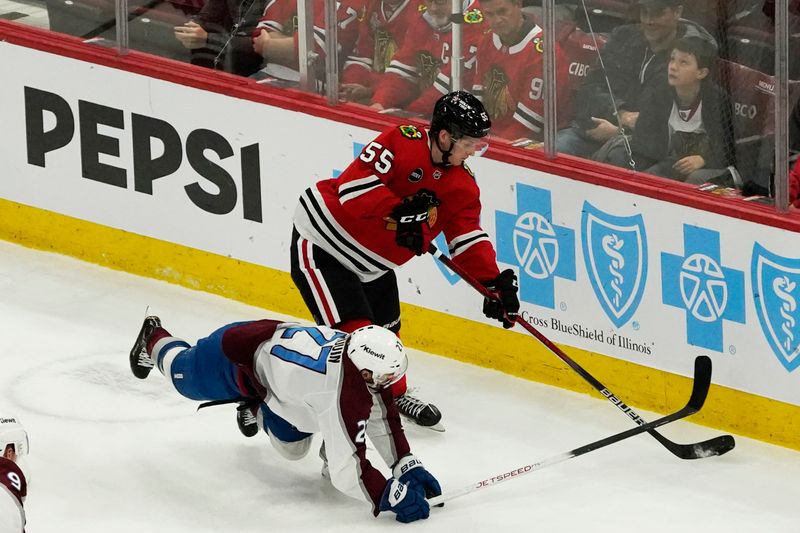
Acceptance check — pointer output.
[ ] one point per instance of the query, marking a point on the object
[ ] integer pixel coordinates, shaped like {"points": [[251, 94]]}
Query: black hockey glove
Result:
{"points": [[411, 216], [506, 306]]}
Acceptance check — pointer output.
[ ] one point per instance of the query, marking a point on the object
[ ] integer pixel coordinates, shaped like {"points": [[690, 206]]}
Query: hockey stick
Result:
{"points": [[716, 446], [702, 380]]}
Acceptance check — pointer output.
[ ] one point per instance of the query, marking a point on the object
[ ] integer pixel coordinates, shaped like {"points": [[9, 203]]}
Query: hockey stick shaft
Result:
{"points": [[715, 446], [702, 381]]}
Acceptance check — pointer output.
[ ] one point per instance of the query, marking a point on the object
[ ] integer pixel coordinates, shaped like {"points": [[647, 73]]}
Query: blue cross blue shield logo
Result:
{"points": [[776, 289], [541, 249], [615, 254], [698, 283]]}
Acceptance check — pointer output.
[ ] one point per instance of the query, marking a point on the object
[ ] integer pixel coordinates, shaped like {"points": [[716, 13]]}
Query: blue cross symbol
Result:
{"points": [[708, 292], [357, 147], [542, 250]]}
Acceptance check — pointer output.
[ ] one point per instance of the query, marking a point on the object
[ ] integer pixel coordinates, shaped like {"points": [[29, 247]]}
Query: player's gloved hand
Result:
{"points": [[411, 216], [407, 502], [506, 306], [410, 470]]}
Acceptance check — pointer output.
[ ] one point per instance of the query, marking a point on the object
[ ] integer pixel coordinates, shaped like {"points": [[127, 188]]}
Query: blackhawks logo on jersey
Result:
{"points": [[385, 48], [427, 68], [410, 131], [496, 94], [473, 16]]}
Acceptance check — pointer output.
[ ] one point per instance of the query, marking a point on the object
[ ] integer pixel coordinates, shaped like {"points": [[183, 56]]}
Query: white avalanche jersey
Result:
{"points": [[314, 386]]}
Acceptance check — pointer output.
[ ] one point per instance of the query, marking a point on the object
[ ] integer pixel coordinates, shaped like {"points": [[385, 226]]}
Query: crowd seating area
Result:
{"points": [[394, 58]]}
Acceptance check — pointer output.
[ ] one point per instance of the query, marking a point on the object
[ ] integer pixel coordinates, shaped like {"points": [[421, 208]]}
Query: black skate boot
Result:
{"points": [[246, 419], [141, 363], [421, 413]]}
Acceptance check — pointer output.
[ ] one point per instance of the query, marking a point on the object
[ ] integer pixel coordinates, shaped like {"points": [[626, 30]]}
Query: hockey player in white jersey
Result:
{"points": [[305, 380], [13, 484]]}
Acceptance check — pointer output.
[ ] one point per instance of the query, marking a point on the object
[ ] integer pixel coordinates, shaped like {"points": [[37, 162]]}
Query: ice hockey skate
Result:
{"points": [[141, 362], [246, 419], [421, 413]]}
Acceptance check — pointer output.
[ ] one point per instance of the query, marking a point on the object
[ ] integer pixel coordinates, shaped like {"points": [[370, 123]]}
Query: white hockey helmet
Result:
{"points": [[12, 432], [380, 351]]}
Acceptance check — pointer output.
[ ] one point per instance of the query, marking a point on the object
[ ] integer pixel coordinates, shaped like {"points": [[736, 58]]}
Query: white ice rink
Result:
{"points": [[110, 453]]}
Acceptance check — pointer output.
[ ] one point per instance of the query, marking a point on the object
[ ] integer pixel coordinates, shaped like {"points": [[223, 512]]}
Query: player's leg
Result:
{"points": [[200, 372], [289, 441], [384, 301], [334, 295]]}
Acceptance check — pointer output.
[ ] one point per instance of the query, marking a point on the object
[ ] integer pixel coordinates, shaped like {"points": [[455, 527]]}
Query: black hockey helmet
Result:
{"points": [[461, 114]]}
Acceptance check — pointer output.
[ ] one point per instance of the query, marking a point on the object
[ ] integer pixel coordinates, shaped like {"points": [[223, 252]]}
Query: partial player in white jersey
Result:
{"points": [[13, 484], [303, 380]]}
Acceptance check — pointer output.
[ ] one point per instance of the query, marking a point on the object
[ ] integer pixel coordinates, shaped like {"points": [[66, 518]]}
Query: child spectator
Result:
{"points": [[684, 129], [634, 60]]}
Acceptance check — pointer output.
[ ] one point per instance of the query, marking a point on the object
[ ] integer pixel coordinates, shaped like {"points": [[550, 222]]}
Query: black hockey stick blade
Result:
{"points": [[700, 386], [716, 446]]}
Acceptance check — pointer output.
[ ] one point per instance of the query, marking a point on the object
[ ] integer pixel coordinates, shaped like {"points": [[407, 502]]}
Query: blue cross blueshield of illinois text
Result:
{"points": [[542, 250], [776, 288], [615, 255], [708, 292]]}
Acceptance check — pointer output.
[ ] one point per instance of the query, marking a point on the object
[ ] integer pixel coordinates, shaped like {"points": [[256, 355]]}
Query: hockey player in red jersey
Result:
{"points": [[509, 75], [405, 187], [381, 35], [13, 484], [306, 380], [419, 73]]}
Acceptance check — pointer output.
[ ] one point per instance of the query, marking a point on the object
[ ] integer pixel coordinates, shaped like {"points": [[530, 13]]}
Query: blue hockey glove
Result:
{"points": [[410, 470], [407, 502]]}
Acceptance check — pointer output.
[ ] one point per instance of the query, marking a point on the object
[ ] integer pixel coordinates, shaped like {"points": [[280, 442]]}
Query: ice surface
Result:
{"points": [[110, 453]]}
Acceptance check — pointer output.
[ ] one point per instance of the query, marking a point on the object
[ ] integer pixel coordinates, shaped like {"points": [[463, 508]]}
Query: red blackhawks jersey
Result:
{"points": [[509, 81], [311, 383], [349, 216], [380, 36], [13, 490], [281, 16], [419, 73]]}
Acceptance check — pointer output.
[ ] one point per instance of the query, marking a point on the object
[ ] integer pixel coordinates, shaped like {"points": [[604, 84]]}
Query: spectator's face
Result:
{"points": [[503, 16], [439, 11], [658, 22], [683, 70], [10, 453]]}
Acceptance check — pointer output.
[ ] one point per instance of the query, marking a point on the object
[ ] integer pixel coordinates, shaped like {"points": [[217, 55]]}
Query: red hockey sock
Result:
{"points": [[349, 326], [158, 334], [399, 388]]}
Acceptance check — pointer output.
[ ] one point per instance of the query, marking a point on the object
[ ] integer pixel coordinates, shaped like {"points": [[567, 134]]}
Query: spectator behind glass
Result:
{"points": [[380, 36], [419, 73], [794, 184], [276, 39], [684, 131], [219, 36], [509, 72], [635, 59]]}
